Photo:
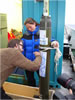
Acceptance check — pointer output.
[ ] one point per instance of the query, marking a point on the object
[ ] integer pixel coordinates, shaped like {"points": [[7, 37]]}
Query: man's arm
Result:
{"points": [[24, 63]]}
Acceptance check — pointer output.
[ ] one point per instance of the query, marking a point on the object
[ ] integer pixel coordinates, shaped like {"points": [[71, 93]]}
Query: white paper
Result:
{"points": [[44, 41], [42, 70], [42, 34]]}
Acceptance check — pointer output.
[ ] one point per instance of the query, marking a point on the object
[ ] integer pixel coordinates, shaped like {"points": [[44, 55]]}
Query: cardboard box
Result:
{"points": [[17, 91]]}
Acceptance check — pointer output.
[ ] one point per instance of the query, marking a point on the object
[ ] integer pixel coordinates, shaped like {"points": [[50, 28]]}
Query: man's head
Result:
{"points": [[16, 43]]}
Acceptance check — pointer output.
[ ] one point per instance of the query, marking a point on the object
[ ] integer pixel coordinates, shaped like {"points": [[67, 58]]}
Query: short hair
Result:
{"points": [[30, 21], [12, 43]]}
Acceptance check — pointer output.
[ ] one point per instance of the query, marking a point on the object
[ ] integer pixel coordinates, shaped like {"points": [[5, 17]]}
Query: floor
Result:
{"points": [[66, 68]]}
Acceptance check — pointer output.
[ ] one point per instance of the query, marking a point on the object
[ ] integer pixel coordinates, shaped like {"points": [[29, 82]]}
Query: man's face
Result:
{"points": [[20, 46]]}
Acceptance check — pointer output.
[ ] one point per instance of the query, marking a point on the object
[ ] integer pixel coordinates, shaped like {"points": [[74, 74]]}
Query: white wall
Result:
{"points": [[13, 9], [70, 12]]}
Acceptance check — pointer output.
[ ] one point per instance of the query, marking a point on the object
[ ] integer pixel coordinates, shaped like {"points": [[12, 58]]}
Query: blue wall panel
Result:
{"points": [[33, 9]]}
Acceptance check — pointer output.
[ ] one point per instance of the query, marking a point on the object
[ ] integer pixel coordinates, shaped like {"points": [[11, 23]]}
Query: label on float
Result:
{"points": [[43, 38], [42, 70]]}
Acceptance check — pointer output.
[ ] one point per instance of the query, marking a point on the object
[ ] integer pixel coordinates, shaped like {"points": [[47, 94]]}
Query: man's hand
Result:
{"points": [[37, 53], [70, 91], [55, 44]]}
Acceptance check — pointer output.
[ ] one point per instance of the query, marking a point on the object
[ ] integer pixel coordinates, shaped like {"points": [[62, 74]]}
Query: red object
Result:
{"points": [[11, 36]]}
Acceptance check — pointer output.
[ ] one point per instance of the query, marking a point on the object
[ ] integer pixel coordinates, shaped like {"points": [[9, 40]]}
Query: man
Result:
{"points": [[12, 57]]}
